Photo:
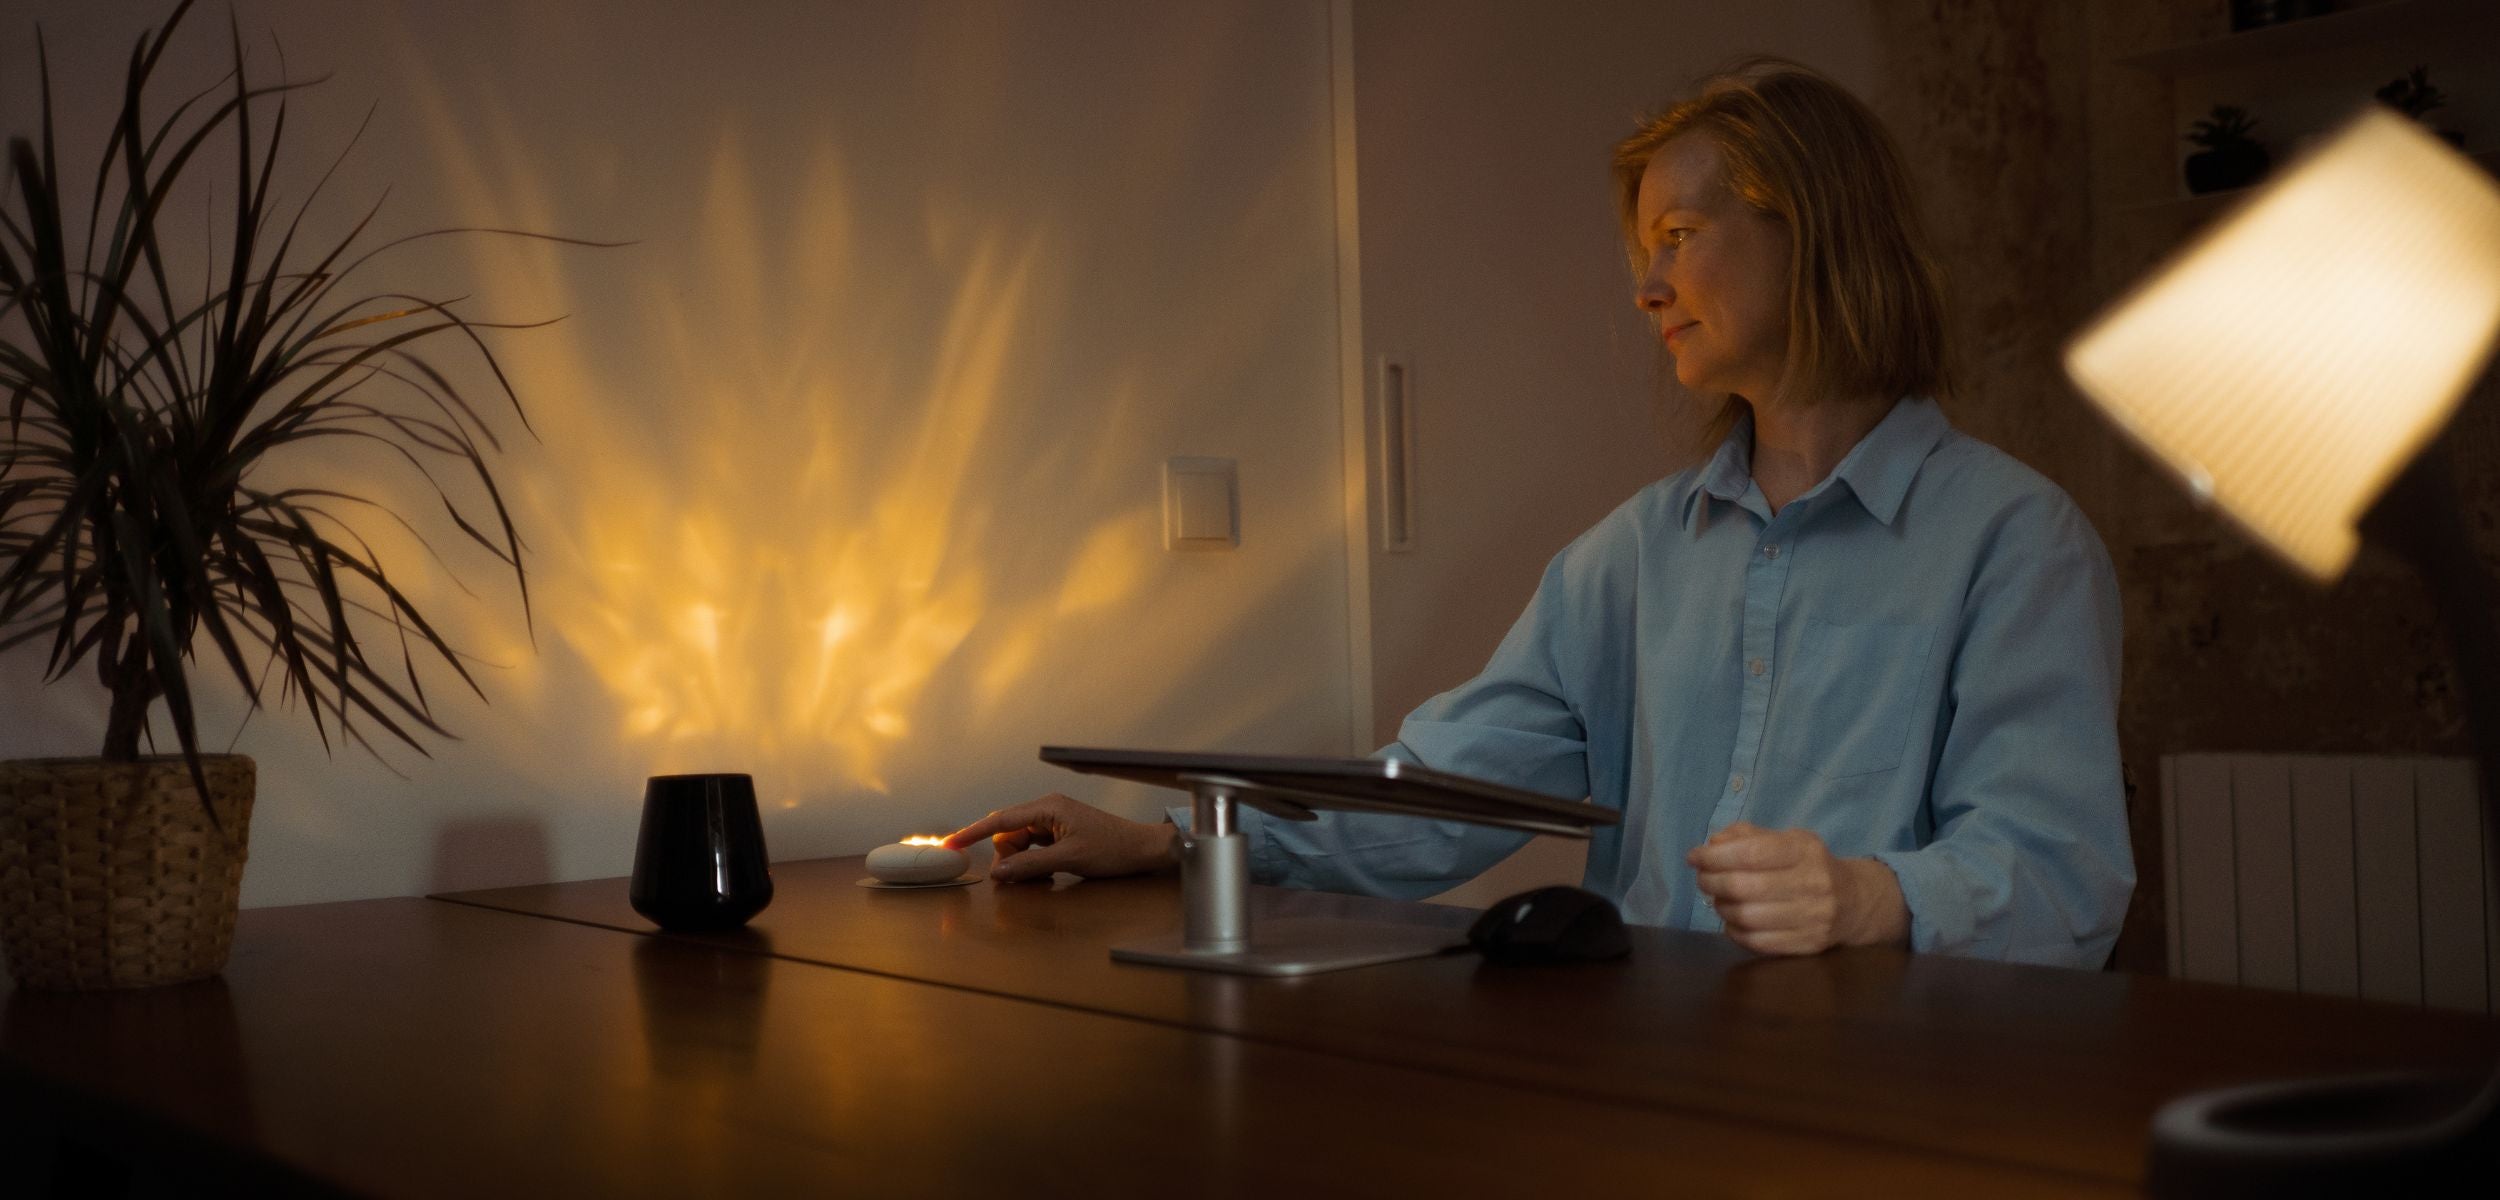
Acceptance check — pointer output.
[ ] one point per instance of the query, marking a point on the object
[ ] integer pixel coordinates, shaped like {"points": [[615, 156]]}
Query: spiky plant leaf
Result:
{"points": [[140, 407]]}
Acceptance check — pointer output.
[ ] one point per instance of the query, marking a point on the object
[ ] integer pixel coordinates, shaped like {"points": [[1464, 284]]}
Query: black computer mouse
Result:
{"points": [[1551, 924]]}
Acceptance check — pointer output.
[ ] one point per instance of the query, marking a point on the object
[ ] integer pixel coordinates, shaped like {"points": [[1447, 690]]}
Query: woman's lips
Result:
{"points": [[1674, 331]]}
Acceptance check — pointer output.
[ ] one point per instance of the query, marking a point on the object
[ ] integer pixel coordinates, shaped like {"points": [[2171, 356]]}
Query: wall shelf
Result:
{"points": [[2333, 31], [2302, 78]]}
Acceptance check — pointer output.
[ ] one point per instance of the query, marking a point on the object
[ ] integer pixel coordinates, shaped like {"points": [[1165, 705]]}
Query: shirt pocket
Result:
{"points": [[1848, 695]]}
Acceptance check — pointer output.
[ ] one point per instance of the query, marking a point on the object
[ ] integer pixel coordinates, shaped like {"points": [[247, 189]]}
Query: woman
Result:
{"points": [[1851, 681]]}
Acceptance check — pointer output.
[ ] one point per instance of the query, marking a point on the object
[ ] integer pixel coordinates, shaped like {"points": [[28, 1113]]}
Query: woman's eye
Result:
{"points": [[1675, 238]]}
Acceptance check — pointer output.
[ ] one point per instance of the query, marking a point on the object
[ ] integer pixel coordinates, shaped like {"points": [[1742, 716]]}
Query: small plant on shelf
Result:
{"points": [[2414, 95], [2227, 157]]}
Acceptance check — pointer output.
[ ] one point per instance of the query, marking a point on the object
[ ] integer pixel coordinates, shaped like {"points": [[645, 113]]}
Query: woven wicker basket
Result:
{"points": [[110, 873]]}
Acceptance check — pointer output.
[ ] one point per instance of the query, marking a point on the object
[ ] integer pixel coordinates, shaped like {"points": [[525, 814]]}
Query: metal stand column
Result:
{"points": [[1215, 921]]}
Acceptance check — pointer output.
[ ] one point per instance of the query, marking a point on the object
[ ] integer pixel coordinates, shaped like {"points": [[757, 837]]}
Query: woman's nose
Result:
{"points": [[1653, 295]]}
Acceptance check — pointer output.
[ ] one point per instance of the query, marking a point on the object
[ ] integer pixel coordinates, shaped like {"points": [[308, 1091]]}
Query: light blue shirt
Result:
{"points": [[1917, 660]]}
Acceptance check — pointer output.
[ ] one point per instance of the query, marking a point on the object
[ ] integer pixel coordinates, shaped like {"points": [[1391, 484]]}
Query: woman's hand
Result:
{"points": [[1056, 833], [1783, 892]]}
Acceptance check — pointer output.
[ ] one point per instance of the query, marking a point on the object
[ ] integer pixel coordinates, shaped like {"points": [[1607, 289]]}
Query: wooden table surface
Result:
{"points": [[1985, 1063], [416, 1048]]}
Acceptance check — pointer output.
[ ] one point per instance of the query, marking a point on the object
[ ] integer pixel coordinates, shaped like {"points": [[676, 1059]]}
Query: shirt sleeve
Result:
{"points": [[1512, 724], [2029, 860]]}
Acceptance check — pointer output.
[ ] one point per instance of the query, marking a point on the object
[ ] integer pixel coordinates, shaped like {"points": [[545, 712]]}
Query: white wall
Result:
{"points": [[921, 297], [848, 469], [1491, 263]]}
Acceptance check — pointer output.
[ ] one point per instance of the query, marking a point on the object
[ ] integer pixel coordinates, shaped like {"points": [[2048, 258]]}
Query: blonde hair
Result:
{"points": [[1865, 301]]}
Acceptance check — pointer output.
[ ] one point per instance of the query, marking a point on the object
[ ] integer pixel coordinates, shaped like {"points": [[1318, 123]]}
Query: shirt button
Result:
{"points": [[1757, 666], [1737, 784], [1770, 552]]}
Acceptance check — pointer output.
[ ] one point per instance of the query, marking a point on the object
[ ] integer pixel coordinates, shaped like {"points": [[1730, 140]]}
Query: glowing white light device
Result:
{"points": [[919, 861], [2295, 365]]}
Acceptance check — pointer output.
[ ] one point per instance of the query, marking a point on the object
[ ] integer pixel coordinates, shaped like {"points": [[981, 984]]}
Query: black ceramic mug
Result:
{"points": [[699, 864]]}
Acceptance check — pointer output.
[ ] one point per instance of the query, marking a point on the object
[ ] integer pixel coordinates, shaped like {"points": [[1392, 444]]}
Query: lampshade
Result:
{"points": [[2291, 360]]}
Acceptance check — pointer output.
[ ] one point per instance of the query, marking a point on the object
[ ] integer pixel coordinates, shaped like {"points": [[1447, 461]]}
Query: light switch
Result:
{"points": [[1199, 510]]}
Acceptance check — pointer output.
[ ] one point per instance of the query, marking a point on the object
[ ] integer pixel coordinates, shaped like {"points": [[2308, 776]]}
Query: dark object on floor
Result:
{"points": [[1551, 924]]}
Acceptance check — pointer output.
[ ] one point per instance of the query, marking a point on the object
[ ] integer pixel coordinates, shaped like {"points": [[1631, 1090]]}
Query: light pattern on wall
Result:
{"points": [[767, 549]]}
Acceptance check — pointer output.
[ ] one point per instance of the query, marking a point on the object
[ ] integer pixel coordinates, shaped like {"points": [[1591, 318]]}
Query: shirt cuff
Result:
{"points": [[1942, 920]]}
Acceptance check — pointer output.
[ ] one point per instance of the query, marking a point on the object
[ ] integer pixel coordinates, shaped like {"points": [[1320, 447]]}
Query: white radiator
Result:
{"points": [[2341, 875]]}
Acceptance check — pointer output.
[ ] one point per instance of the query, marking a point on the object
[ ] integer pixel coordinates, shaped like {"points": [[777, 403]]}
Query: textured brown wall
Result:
{"points": [[2035, 150], [1990, 104], [1987, 105]]}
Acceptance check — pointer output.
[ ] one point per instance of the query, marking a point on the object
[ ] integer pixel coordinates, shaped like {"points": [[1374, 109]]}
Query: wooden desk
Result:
{"points": [[1987, 1064], [417, 1048]]}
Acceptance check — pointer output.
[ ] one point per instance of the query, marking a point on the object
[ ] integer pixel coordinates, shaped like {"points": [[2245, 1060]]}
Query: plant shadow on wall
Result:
{"points": [[861, 543], [763, 578], [146, 396]]}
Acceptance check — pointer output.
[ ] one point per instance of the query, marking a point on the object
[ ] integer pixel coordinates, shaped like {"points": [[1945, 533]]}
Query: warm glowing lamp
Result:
{"points": [[2289, 365]]}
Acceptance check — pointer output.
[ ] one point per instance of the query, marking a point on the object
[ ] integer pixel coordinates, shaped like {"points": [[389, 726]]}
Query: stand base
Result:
{"points": [[1300, 946]]}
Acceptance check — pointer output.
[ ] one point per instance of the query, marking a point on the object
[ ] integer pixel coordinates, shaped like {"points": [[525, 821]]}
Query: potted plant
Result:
{"points": [[2228, 157], [136, 527], [2414, 95]]}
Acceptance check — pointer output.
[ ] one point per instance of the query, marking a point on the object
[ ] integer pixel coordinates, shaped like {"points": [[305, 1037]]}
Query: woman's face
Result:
{"points": [[1717, 279]]}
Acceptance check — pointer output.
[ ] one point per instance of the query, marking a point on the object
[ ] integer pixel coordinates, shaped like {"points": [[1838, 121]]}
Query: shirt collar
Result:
{"points": [[1878, 470], [1730, 471], [1880, 467]]}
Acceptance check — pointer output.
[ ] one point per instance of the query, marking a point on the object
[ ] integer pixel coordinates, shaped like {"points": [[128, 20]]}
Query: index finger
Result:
{"points": [[1005, 820], [1758, 852], [1734, 830]]}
